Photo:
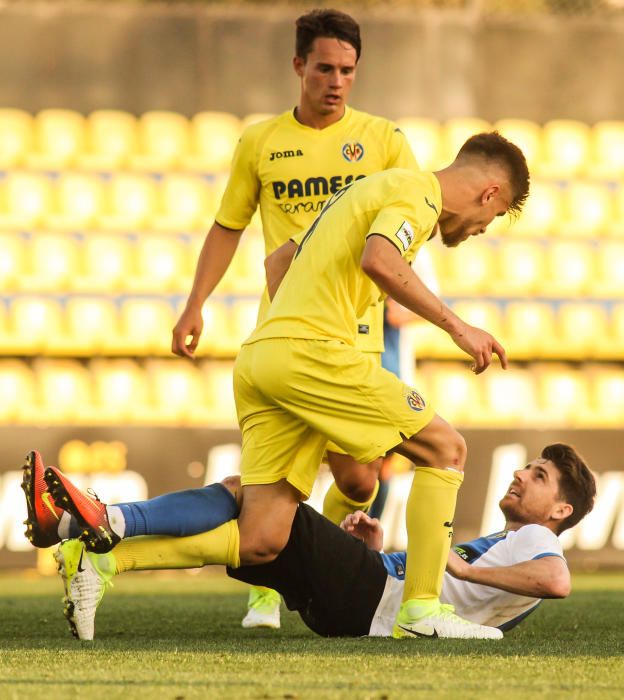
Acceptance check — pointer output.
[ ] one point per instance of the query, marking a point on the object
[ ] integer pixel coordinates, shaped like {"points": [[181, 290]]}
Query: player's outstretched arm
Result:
{"points": [[547, 577], [276, 266], [214, 259], [383, 263]]}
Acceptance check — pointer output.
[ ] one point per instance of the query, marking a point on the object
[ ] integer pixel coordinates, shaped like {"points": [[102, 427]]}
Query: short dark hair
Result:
{"points": [[577, 485], [331, 24], [493, 146]]}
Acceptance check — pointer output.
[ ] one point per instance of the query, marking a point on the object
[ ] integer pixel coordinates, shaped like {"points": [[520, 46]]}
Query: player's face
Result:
{"points": [[327, 75], [533, 495], [473, 219]]}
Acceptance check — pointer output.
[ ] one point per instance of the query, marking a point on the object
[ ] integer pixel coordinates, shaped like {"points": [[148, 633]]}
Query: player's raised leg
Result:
{"points": [[44, 515]]}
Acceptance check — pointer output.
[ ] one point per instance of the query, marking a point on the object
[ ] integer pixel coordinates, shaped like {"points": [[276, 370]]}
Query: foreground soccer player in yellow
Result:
{"points": [[289, 166], [299, 380]]}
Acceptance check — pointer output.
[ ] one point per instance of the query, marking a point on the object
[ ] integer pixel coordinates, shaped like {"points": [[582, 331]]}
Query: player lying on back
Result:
{"points": [[343, 585]]}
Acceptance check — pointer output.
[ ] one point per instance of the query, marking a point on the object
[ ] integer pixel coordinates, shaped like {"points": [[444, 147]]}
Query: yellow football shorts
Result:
{"points": [[293, 395]]}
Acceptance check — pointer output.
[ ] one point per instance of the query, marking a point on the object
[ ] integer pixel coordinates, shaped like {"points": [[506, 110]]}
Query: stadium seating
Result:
{"points": [[566, 149], [425, 139], [111, 137], [16, 137], [102, 219], [607, 150], [25, 199], [163, 141], [59, 139], [214, 136]]}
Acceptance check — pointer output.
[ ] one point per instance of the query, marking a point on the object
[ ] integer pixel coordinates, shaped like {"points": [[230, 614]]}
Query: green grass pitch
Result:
{"points": [[178, 637]]}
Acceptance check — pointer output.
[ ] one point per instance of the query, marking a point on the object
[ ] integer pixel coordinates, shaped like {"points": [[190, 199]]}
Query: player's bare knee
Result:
{"points": [[358, 485], [260, 547], [449, 450]]}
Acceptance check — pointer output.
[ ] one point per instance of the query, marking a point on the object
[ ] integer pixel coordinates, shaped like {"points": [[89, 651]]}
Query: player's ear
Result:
{"points": [[489, 193], [562, 511], [298, 64]]}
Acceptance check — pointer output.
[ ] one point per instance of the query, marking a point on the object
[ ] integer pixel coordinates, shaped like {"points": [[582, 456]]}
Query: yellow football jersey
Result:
{"points": [[291, 170], [325, 291]]}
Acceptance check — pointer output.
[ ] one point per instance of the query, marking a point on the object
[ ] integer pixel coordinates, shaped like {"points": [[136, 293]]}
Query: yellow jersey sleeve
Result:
{"points": [[242, 192], [400, 154]]}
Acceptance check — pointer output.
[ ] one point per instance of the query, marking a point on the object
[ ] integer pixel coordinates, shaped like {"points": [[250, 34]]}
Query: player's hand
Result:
{"points": [[190, 324], [456, 566], [480, 345], [365, 528]]}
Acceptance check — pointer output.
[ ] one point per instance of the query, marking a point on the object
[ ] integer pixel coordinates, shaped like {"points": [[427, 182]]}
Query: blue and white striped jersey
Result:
{"points": [[481, 604]]}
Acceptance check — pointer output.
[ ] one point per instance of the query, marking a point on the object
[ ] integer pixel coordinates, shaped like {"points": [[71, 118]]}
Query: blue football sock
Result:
{"points": [[181, 513]]}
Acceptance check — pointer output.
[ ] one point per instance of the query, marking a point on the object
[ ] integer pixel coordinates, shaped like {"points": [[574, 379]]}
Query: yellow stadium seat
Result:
{"points": [[510, 398], [244, 320], [52, 263], [530, 330], [217, 337], [425, 139], [218, 393], [432, 343], [527, 135], [16, 137], [18, 391], [34, 323], [518, 267], [78, 203], [455, 392], [482, 314], [562, 394], [66, 392], [457, 131], [617, 227], [160, 265], [245, 274], [606, 384], [175, 390], [610, 270], [12, 261], [185, 204], [587, 209], [163, 141], [468, 269], [25, 199], [120, 392], [91, 325], [111, 136], [607, 150], [255, 118], [566, 148], [614, 348], [106, 264], [570, 269], [130, 204], [542, 213], [582, 330], [59, 138], [145, 327], [214, 136]]}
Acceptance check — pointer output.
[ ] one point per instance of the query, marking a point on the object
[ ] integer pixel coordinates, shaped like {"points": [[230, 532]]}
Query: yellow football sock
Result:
{"points": [[218, 546], [429, 518], [337, 506]]}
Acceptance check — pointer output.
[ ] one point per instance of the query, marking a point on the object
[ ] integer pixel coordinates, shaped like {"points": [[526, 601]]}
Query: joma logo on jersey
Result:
{"points": [[276, 155], [353, 151], [312, 187]]}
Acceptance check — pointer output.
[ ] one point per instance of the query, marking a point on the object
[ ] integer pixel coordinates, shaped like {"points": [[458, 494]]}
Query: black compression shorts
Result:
{"points": [[333, 580]]}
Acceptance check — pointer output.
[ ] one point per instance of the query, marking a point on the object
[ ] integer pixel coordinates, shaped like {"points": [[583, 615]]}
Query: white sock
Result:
{"points": [[63, 526], [116, 520]]}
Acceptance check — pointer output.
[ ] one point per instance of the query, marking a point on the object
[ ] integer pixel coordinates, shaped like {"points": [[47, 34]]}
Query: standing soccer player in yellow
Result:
{"points": [[290, 166], [299, 381]]}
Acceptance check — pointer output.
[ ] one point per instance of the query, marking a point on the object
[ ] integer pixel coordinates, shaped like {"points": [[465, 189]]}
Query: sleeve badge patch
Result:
{"points": [[405, 234], [415, 401]]}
